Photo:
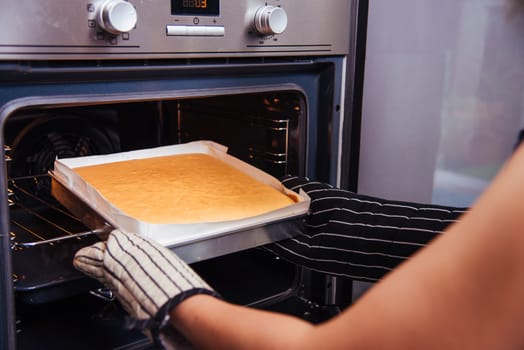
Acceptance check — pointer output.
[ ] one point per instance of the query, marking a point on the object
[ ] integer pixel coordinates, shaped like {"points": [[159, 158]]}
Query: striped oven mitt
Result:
{"points": [[358, 236], [147, 279]]}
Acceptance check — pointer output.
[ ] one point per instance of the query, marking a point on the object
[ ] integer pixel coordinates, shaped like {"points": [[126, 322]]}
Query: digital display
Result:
{"points": [[195, 7]]}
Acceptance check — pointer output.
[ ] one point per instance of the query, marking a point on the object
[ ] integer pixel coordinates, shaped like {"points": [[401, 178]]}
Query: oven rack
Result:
{"points": [[36, 218], [7, 159], [266, 140]]}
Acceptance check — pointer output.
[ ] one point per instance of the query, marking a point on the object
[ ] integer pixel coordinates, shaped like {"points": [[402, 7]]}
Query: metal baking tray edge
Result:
{"points": [[193, 250]]}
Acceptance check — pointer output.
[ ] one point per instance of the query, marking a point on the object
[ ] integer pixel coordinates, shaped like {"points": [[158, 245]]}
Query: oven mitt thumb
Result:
{"points": [[148, 279]]}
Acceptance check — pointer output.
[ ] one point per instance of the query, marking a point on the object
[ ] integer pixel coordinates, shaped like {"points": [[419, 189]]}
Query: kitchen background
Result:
{"points": [[443, 99]]}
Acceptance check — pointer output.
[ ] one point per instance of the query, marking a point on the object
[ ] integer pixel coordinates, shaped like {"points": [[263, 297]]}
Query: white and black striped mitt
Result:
{"points": [[358, 236], [147, 278]]}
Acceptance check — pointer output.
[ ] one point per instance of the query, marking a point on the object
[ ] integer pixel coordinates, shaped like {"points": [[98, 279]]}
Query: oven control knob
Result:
{"points": [[270, 20], [117, 16]]}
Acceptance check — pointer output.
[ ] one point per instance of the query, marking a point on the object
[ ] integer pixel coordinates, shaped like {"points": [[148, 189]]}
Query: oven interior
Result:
{"points": [[266, 129]]}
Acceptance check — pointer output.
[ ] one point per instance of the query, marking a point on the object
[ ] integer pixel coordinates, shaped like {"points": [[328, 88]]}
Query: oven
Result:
{"points": [[270, 80]]}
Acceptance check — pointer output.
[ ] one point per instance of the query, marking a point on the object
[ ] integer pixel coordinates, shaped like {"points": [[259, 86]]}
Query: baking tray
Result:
{"points": [[192, 242]]}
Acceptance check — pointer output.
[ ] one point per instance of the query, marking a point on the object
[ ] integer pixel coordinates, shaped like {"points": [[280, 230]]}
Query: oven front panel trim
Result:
{"points": [[74, 30]]}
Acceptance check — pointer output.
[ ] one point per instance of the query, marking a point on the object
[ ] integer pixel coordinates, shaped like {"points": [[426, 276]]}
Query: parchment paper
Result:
{"points": [[172, 234]]}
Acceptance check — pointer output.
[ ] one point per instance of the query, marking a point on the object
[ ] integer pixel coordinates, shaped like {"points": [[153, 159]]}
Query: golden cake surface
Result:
{"points": [[180, 189]]}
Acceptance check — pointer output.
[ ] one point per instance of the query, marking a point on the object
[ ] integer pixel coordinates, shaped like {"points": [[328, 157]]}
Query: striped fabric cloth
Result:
{"points": [[147, 278], [357, 236]]}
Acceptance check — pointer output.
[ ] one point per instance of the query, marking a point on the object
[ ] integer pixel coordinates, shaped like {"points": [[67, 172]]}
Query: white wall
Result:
{"points": [[443, 97]]}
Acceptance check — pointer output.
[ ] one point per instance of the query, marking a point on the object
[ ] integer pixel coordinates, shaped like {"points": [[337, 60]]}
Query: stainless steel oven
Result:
{"points": [[271, 80]]}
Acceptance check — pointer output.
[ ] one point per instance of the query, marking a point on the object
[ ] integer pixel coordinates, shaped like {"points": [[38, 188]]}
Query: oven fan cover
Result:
{"points": [[35, 148]]}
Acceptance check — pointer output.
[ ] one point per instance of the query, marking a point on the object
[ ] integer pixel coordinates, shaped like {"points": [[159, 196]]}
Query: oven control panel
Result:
{"points": [[105, 29]]}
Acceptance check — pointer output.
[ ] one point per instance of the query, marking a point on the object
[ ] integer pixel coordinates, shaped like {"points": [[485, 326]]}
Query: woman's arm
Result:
{"points": [[211, 323], [461, 292]]}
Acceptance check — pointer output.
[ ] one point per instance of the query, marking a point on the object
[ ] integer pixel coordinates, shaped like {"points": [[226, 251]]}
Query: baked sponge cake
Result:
{"points": [[181, 189]]}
